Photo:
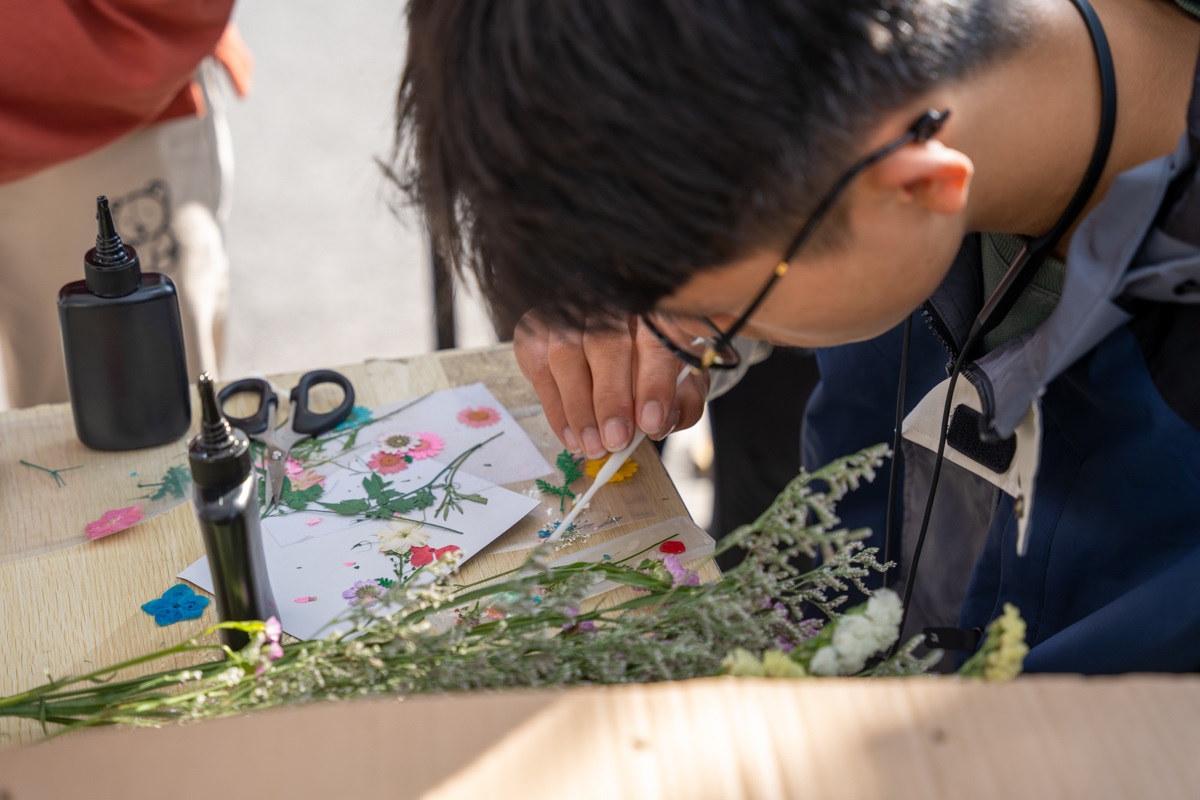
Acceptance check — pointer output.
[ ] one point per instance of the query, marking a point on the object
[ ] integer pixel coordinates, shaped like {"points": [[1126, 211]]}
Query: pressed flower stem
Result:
{"points": [[52, 472], [313, 445]]}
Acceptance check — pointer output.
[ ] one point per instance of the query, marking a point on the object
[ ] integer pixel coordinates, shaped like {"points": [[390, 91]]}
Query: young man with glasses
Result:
{"points": [[667, 185]]}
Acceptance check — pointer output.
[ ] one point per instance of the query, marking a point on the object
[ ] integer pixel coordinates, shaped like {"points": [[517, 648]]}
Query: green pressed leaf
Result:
{"points": [[402, 505], [175, 482], [373, 484], [569, 465], [348, 508], [298, 501], [423, 498]]}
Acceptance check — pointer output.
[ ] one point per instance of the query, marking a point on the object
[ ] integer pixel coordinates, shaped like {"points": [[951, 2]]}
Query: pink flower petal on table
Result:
{"points": [[349, 563], [312, 521], [308, 599], [113, 520]]}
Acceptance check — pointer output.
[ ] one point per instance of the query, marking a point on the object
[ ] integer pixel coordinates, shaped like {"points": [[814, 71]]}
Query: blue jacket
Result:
{"points": [[1102, 399]]}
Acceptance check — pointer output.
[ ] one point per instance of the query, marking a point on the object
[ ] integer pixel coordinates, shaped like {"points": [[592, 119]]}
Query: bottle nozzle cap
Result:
{"points": [[111, 268], [219, 455]]}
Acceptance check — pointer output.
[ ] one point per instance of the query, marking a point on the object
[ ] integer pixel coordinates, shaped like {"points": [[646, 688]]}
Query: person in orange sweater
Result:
{"points": [[118, 98]]}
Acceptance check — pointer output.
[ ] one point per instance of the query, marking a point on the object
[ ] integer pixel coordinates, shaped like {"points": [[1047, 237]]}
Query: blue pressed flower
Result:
{"points": [[176, 604], [358, 415]]}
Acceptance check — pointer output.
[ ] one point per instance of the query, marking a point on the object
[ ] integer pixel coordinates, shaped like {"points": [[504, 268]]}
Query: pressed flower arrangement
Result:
{"points": [[529, 627]]}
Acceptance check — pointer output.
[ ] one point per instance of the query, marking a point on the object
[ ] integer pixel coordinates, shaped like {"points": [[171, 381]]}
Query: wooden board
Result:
{"points": [[721, 738]]}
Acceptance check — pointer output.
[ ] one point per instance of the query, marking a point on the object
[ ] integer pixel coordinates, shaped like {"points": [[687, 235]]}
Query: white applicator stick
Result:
{"points": [[614, 463]]}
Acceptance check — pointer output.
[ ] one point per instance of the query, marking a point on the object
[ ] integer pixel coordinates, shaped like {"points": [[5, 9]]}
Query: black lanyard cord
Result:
{"points": [[894, 474], [1010, 288]]}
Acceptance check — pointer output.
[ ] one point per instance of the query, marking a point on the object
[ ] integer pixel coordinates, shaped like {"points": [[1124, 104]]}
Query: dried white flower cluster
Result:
{"points": [[858, 636]]}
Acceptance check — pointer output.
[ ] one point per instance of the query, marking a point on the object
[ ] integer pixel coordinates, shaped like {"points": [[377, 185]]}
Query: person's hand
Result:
{"points": [[598, 383]]}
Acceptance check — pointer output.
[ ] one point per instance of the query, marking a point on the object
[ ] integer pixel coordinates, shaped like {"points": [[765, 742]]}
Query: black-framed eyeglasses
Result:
{"points": [[716, 350]]}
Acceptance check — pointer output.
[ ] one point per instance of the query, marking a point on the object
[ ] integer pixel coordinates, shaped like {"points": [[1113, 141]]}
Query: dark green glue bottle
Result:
{"points": [[123, 344]]}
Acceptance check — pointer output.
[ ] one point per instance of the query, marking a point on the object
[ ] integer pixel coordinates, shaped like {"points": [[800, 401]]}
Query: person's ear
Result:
{"points": [[929, 174]]}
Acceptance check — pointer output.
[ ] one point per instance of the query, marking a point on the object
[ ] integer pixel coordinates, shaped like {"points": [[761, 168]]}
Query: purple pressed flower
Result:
{"points": [[809, 628], [805, 630], [579, 627], [680, 576], [363, 593]]}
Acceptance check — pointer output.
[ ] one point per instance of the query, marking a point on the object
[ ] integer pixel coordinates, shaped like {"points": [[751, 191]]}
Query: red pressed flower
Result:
{"points": [[672, 548], [421, 555], [441, 551]]}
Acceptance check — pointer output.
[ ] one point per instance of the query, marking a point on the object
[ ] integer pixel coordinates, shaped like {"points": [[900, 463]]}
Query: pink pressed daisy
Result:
{"points": [[430, 444], [386, 463], [479, 416]]}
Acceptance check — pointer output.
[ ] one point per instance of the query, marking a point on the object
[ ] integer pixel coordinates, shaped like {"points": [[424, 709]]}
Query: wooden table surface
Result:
{"points": [[78, 608], [1054, 737]]}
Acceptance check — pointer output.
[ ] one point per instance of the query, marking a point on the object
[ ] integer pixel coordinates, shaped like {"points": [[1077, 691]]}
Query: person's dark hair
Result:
{"points": [[591, 155]]}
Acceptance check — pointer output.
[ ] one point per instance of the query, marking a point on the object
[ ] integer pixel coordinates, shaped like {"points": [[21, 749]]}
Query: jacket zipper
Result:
{"points": [[983, 386]]}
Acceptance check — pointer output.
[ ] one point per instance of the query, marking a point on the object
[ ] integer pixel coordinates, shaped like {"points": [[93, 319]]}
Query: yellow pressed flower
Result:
{"points": [[1006, 661], [627, 470], [777, 664], [1002, 655], [742, 663]]}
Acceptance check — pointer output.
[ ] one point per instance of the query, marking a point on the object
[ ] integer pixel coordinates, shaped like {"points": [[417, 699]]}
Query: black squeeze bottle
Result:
{"points": [[225, 495], [123, 344]]}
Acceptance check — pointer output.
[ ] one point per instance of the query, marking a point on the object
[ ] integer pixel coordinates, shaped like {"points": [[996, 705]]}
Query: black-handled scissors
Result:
{"points": [[261, 425]]}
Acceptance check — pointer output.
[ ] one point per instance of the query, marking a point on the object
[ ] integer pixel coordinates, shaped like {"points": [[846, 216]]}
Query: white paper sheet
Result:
{"points": [[449, 422], [324, 567]]}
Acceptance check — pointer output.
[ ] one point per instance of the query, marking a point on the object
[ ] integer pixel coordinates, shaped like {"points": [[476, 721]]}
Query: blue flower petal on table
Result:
{"points": [[176, 604]]}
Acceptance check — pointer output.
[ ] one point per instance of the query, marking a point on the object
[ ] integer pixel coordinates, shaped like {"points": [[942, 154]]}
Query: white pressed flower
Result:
{"points": [[885, 609], [400, 537], [854, 641], [399, 442], [825, 662]]}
